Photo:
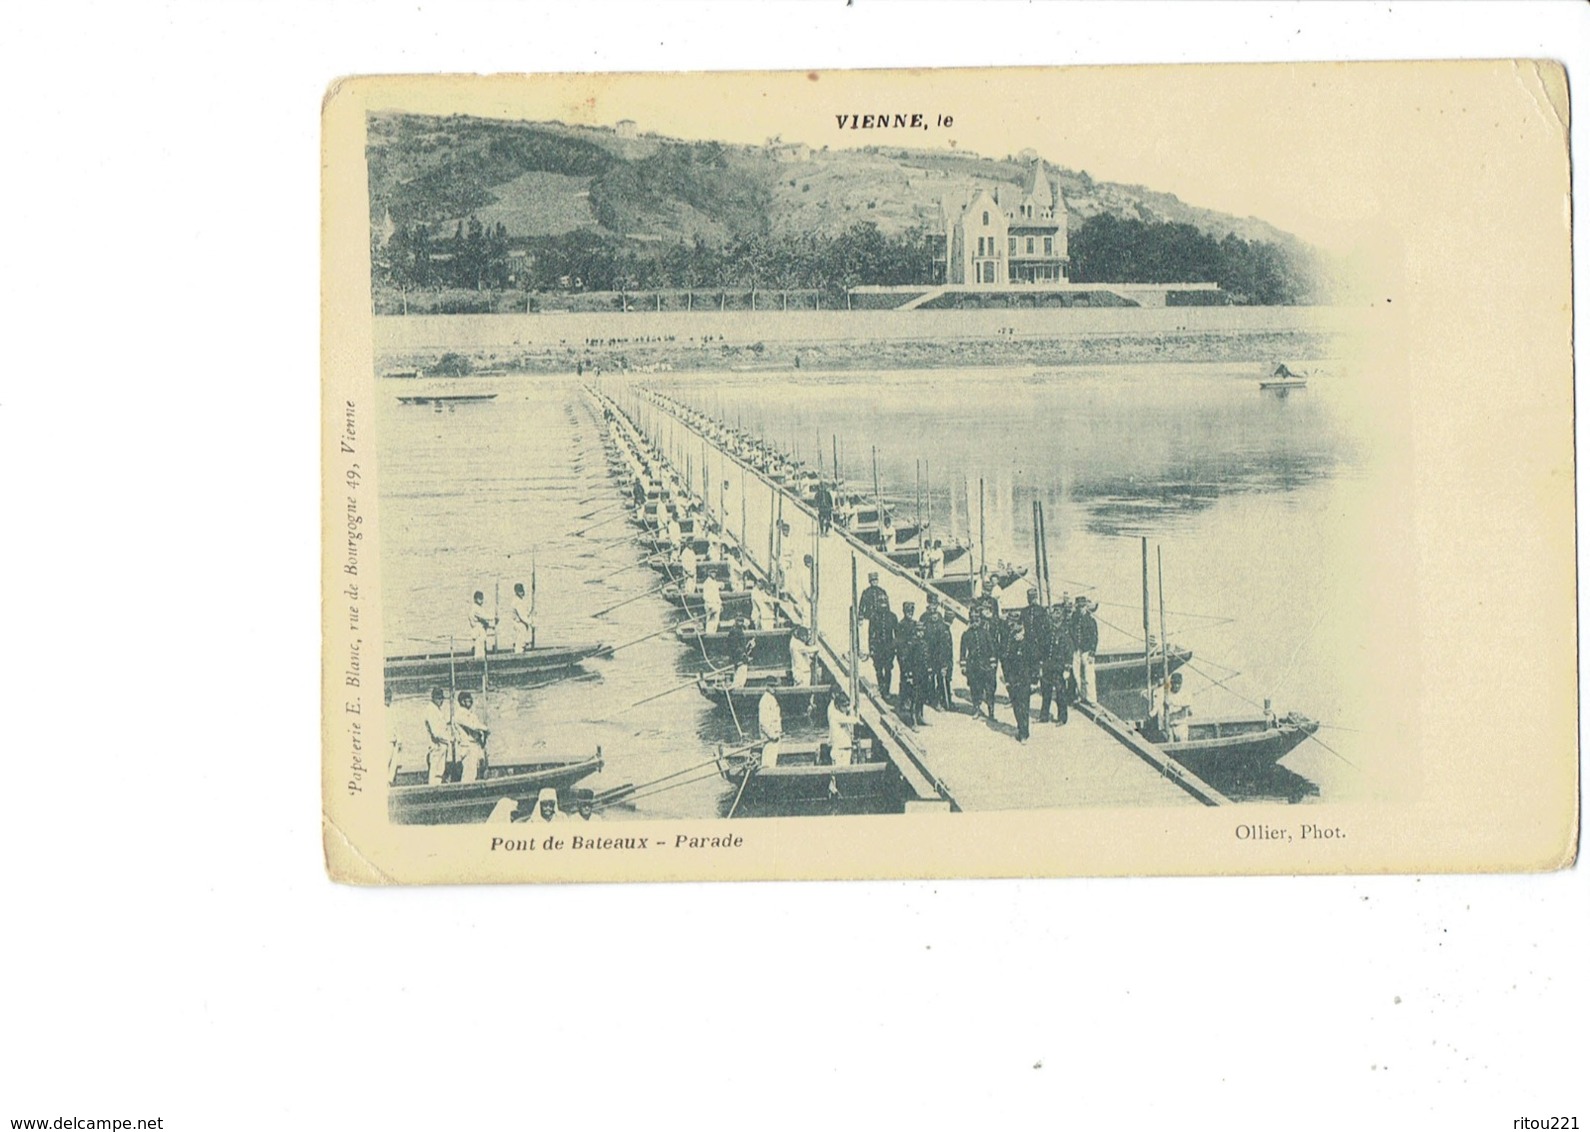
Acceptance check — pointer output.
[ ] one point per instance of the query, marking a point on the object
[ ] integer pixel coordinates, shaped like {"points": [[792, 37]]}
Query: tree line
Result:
{"points": [[1108, 249], [1103, 248], [483, 257]]}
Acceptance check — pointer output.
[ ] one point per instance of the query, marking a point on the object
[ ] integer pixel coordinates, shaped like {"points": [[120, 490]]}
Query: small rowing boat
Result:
{"points": [[1122, 670], [807, 698], [806, 775], [1284, 379], [414, 801], [1218, 750], [768, 646], [419, 672]]}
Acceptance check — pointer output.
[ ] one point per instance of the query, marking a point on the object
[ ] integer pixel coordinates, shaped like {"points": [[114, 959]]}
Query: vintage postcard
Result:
{"points": [[1097, 471]]}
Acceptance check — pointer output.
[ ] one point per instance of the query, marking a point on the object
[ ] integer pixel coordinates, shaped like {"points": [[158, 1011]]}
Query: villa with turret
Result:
{"points": [[998, 237]]}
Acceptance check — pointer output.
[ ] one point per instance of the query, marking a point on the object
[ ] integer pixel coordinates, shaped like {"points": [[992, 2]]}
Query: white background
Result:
{"points": [[170, 944]]}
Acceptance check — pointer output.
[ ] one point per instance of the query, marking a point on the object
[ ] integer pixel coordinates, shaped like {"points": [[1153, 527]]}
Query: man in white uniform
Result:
{"points": [[1172, 707], [687, 568], [471, 731], [482, 624], [841, 730], [439, 730], [712, 601], [770, 720], [763, 613], [801, 658], [524, 624], [546, 806]]}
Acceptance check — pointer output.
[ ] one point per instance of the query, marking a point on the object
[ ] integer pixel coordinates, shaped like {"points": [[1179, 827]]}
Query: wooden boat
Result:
{"points": [[449, 399], [654, 545], [420, 672], [736, 603], [804, 775], [1122, 670], [411, 800], [792, 697], [666, 565], [1284, 379], [768, 646], [864, 526], [961, 587], [1236, 746], [911, 556]]}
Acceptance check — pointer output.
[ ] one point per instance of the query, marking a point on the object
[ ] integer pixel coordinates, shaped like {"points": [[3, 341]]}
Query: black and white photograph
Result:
{"points": [[809, 564], [866, 467]]}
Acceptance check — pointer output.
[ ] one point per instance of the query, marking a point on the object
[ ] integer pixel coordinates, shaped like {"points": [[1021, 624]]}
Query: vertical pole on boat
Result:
{"points": [[452, 698], [778, 550], [1037, 551], [496, 623], [532, 599], [836, 455], [744, 527], [919, 503], [982, 525], [1164, 649], [1148, 661], [927, 481], [855, 637], [877, 495], [1048, 582], [814, 580]]}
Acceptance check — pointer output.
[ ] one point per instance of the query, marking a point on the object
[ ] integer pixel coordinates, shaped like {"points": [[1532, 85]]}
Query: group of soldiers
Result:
{"points": [[457, 738], [924, 651], [1052, 650], [483, 622]]}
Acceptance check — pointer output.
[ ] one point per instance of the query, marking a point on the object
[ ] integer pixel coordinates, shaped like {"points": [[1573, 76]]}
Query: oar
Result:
{"points": [[647, 637], [690, 683], [627, 600], [581, 533], [614, 574], [750, 769], [601, 510]]}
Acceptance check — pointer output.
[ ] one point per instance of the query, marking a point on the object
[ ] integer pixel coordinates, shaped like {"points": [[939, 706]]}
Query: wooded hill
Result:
{"points": [[491, 204]]}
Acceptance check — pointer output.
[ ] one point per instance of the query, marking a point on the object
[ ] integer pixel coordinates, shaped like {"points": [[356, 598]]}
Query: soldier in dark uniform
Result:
{"points": [[940, 646], [872, 598], [913, 665], [874, 610], [979, 659], [1017, 661], [881, 636], [1054, 670], [825, 508]]}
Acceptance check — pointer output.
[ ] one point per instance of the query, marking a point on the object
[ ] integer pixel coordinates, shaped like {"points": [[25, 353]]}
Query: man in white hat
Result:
{"points": [[439, 730], [482, 624], [522, 610], [546, 806], [472, 733], [770, 722]]}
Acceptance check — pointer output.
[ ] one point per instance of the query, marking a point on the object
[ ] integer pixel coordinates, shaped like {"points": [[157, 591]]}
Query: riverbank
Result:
{"points": [[858, 340]]}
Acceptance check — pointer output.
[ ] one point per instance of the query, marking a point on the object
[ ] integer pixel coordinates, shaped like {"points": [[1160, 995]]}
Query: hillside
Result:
{"points": [[546, 179], [591, 208]]}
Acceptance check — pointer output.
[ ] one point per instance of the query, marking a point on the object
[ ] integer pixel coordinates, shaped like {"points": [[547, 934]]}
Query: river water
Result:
{"points": [[1246, 495]]}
